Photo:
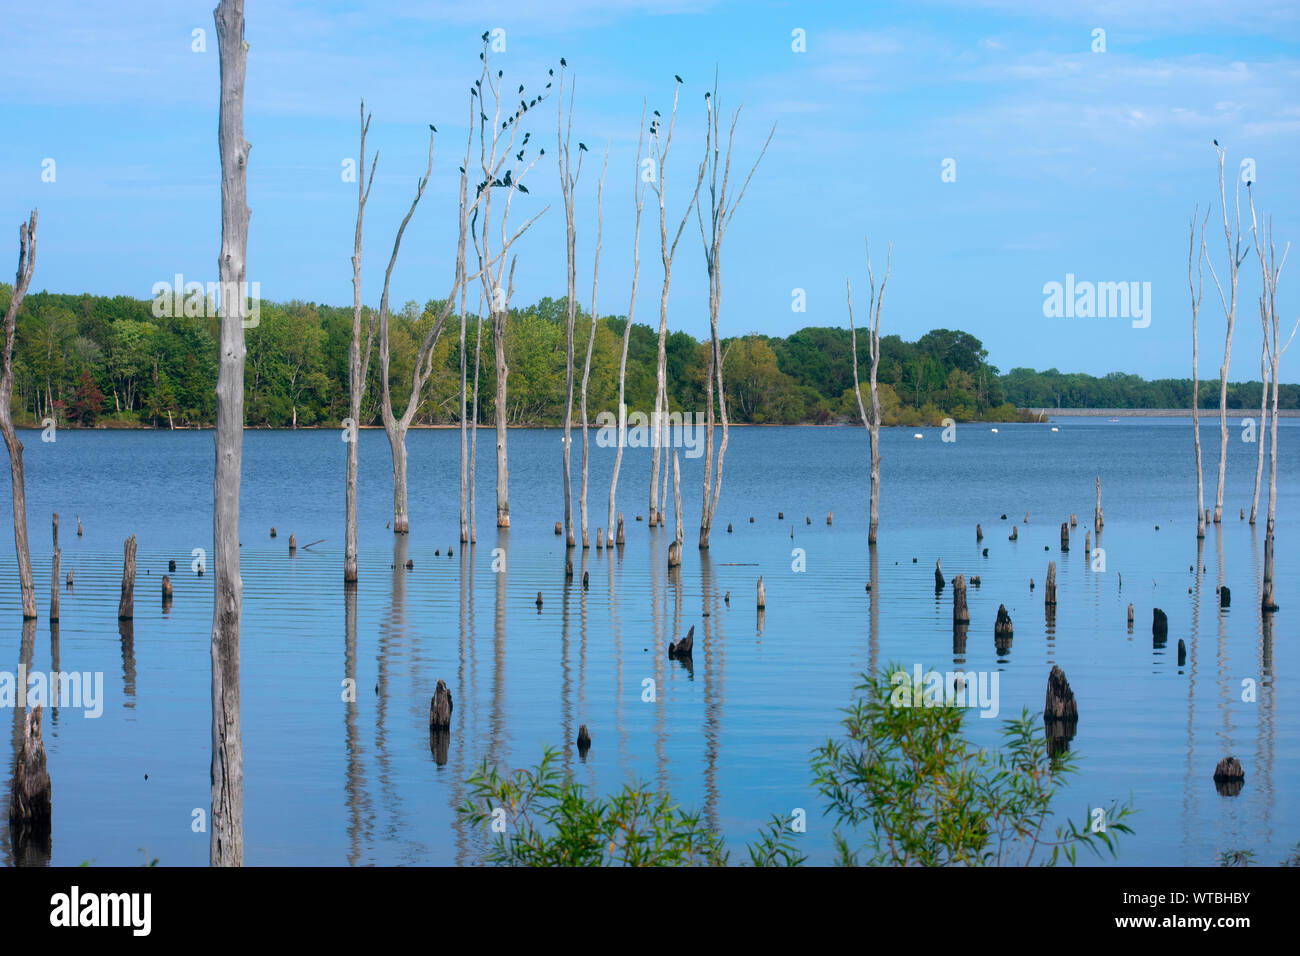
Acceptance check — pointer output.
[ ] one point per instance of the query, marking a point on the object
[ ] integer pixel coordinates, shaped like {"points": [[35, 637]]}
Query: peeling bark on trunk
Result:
{"points": [[226, 821], [18, 484], [872, 421]]}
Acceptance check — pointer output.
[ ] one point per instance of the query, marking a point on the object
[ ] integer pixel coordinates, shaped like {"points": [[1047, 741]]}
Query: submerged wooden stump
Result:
{"points": [[1065, 536], [620, 538], [293, 543], [938, 577], [1060, 704], [78, 526], [1049, 592], [678, 650], [674, 555], [69, 581], [1015, 533], [1130, 617], [1229, 777], [1182, 652], [979, 533], [559, 528], [584, 740], [1097, 519], [1225, 596], [166, 588], [171, 566], [1002, 626], [728, 527], [126, 606], [762, 593], [600, 539], [807, 519], [440, 707], [960, 613], [272, 531], [1074, 520], [829, 516], [584, 580], [1159, 625], [539, 600], [30, 800]]}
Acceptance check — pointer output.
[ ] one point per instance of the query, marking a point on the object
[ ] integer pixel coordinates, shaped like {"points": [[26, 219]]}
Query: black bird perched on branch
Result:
{"points": [[1216, 142], [582, 146], [500, 73], [482, 116], [706, 96], [521, 187], [506, 181], [562, 63], [656, 112], [461, 168], [485, 36], [433, 128], [678, 78], [550, 72], [520, 155], [541, 152]]}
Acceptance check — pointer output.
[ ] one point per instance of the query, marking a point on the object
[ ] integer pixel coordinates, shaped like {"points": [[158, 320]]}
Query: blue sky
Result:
{"points": [[1067, 160]]}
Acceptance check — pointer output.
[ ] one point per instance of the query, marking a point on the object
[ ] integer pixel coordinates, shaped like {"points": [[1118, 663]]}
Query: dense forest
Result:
{"points": [[93, 360]]}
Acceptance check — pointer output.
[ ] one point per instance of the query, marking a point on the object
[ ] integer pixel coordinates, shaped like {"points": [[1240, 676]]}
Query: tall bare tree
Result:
{"points": [[22, 279], [358, 364], [872, 421], [226, 844], [1196, 289], [497, 137], [395, 427], [591, 344], [640, 184], [1263, 413], [569, 175], [660, 145], [1271, 271], [722, 208], [1236, 256]]}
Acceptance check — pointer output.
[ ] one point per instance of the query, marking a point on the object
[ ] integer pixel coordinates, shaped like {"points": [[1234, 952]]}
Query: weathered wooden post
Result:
{"points": [[680, 650], [1097, 520], [1130, 617], [979, 533], [1182, 652], [559, 528], [293, 543], [600, 539], [1159, 626], [1002, 630], [272, 531], [1049, 592], [960, 614], [762, 594], [829, 516], [1015, 533], [30, 793], [938, 577], [1267, 603], [1225, 596], [539, 602], [584, 740], [1060, 713], [1229, 777], [1074, 520], [1065, 536], [1087, 543], [440, 707], [70, 576], [54, 572], [166, 590], [126, 607], [674, 555], [620, 538], [78, 526]]}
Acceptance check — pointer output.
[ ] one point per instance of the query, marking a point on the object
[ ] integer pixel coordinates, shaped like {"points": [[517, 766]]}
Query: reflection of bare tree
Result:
{"points": [[873, 617], [127, 631], [496, 735], [23, 852], [582, 623], [1190, 788], [715, 647], [566, 680], [616, 628], [658, 602], [354, 783], [55, 667], [467, 682], [1267, 703], [1222, 660], [392, 626]]}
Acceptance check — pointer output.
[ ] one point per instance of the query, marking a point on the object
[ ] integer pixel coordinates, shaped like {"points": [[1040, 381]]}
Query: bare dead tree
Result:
{"points": [[358, 365], [872, 421], [1263, 413], [18, 484], [1236, 256], [660, 148], [569, 176], [473, 451], [722, 208], [1196, 290], [591, 343], [226, 843], [394, 427], [640, 184], [1271, 271], [496, 137]]}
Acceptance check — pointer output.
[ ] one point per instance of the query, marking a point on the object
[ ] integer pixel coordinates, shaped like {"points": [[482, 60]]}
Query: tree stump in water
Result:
{"points": [[674, 555], [619, 538], [126, 607], [1225, 596], [293, 543], [559, 528], [728, 527], [979, 533], [807, 519], [171, 566], [78, 526], [1097, 520], [975, 580], [1060, 704], [440, 707], [584, 580], [54, 572], [1182, 652], [1159, 625], [751, 519], [1074, 520], [678, 650], [1049, 592], [539, 600], [938, 578], [600, 539], [780, 516], [1229, 777], [69, 581], [166, 589], [829, 516], [1087, 543], [959, 632], [762, 593], [272, 531], [1015, 533], [960, 613], [1130, 617], [584, 740], [1065, 536], [1002, 631], [30, 793]]}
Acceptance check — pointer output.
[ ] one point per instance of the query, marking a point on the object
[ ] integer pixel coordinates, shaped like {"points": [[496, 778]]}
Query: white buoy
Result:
{"points": [[917, 435], [993, 430], [1055, 429]]}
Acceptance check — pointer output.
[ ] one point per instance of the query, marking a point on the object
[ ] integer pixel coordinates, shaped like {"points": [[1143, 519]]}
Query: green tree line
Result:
{"points": [[119, 361]]}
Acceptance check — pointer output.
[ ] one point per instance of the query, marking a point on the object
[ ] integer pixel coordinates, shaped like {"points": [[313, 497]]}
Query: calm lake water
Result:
{"points": [[331, 782]]}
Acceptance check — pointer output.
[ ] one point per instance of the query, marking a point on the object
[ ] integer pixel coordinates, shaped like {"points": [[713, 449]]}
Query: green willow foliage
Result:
{"points": [[903, 778], [95, 360]]}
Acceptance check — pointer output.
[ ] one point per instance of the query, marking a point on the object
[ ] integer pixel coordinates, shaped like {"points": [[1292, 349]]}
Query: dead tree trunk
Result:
{"points": [[22, 279], [498, 320], [960, 613], [1049, 592], [1196, 386], [1097, 518], [1263, 419], [872, 421], [30, 802], [358, 365], [640, 185], [227, 818], [721, 211], [591, 344], [667, 252], [568, 182], [1236, 256], [54, 572]]}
